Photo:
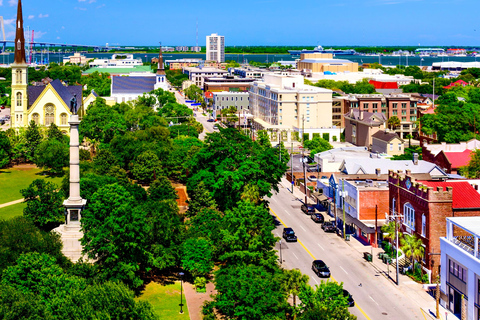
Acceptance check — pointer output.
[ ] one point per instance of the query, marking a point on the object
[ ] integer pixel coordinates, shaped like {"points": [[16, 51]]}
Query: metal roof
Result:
{"points": [[470, 224], [133, 85]]}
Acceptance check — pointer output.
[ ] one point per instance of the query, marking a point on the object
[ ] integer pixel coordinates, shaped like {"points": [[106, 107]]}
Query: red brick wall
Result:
{"points": [[368, 200]]}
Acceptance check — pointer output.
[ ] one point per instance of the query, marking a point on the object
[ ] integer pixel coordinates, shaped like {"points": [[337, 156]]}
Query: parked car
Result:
{"points": [[312, 178], [351, 302], [320, 269], [317, 217], [211, 120], [312, 168], [328, 226], [2, 107], [308, 209], [289, 235]]}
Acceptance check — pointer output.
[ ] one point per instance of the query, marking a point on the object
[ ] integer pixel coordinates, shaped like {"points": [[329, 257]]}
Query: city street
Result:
{"points": [[375, 296], [207, 126]]}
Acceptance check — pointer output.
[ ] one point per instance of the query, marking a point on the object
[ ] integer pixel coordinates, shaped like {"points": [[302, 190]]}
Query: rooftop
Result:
{"points": [[464, 195], [469, 224], [119, 70], [459, 159]]}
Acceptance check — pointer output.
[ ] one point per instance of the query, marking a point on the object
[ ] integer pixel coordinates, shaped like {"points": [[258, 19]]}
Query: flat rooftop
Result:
{"points": [[469, 224]]}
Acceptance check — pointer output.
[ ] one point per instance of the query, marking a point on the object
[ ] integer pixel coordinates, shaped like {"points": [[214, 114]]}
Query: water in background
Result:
{"points": [[240, 58]]}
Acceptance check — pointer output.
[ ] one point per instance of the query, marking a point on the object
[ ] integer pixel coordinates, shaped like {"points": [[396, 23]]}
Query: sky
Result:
{"points": [[250, 22]]}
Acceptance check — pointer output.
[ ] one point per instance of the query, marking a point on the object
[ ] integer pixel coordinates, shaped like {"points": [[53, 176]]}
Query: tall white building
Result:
{"points": [[215, 48]]}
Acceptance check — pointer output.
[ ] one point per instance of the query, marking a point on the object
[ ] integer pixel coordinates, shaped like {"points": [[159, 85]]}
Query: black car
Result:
{"points": [[289, 235], [320, 269], [351, 302], [211, 120], [317, 217], [308, 209], [328, 226]]}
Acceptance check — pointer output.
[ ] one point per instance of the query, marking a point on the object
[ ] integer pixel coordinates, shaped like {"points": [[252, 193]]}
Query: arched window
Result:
{"points": [[19, 76], [409, 216], [49, 114], [424, 225], [63, 119], [19, 99], [36, 118]]}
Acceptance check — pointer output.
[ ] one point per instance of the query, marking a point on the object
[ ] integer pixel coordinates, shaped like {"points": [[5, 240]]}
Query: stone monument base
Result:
{"points": [[70, 235]]}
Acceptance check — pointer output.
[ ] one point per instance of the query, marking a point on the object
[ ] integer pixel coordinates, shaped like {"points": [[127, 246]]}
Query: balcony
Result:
{"points": [[464, 233]]}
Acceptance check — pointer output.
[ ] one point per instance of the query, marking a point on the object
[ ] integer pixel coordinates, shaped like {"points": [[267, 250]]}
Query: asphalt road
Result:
{"points": [[375, 296], [207, 126]]}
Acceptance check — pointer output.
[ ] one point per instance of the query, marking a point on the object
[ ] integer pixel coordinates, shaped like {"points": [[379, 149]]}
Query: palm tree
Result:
{"points": [[412, 247], [293, 281], [393, 122]]}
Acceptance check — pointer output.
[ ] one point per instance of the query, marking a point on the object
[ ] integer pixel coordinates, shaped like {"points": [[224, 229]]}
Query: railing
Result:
{"points": [[464, 242]]}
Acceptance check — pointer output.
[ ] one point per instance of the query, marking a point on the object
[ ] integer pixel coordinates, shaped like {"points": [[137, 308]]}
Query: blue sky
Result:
{"points": [[250, 22]]}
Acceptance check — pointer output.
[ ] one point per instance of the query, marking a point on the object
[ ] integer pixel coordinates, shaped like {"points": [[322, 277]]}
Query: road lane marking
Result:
{"points": [[274, 199], [311, 255], [287, 212], [373, 300], [320, 246], [315, 280], [343, 269], [423, 313], [295, 256], [303, 228]]}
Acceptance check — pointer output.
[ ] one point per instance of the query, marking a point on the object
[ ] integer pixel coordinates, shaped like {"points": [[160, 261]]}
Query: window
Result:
{"points": [[424, 225], [458, 271], [35, 118], [404, 106], [63, 119], [399, 147], [308, 111], [391, 146], [19, 76], [394, 112], [19, 99], [409, 216], [308, 119], [49, 114], [365, 106], [404, 118], [394, 106], [375, 106], [308, 105]]}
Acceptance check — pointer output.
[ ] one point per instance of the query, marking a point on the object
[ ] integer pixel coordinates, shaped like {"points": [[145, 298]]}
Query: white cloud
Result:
{"points": [[81, 9], [39, 34], [58, 38], [63, 27], [10, 35], [92, 1], [1, 2], [101, 6], [8, 21], [31, 16], [43, 15], [12, 2]]}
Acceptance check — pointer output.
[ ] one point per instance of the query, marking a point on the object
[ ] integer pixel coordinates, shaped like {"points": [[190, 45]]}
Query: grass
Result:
{"points": [[7, 213], [165, 300], [17, 178]]}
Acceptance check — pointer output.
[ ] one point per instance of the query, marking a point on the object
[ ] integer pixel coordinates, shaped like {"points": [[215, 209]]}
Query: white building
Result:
{"points": [[128, 88], [460, 266], [117, 61], [198, 74], [77, 58], [283, 103], [369, 74], [215, 48]]}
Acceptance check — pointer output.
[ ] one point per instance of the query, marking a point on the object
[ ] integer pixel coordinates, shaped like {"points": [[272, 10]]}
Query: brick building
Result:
{"points": [[425, 205]]}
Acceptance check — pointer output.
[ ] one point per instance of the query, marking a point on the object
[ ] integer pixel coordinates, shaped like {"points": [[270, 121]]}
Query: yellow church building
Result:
{"points": [[45, 104]]}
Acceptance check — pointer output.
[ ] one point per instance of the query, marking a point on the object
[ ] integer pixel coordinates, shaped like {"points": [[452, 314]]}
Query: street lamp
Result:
{"points": [[280, 251], [181, 292]]}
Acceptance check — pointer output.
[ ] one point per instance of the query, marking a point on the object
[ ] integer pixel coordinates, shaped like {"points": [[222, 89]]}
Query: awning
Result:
{"points": [[365, 226], [320, 196]]}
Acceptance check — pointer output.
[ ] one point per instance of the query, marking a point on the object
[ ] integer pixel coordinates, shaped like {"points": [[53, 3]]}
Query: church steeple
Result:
{"points": [[161, 69], [19, 37]]}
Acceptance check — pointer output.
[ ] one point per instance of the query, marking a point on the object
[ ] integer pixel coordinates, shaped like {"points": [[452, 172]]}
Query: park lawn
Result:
{"points": [[9, 212], [14, 179], [165, 300]]}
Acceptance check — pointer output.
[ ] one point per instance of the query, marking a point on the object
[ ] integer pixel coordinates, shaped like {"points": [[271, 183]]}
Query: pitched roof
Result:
{"points": [[384, 84], [464, 195], [65, 92], [458, 159], [133, 85], [369, 118], [386, 136]]}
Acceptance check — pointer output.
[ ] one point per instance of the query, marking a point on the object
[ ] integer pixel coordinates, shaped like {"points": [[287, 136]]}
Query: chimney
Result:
{"points": [[378, 172], [415, 158], [361, 115]]}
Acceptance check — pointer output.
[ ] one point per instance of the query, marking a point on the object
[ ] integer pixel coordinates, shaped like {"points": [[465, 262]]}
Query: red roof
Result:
{"points": [[464, 195], [208, 94], [456, 83], [459, 159], [384, 84]]}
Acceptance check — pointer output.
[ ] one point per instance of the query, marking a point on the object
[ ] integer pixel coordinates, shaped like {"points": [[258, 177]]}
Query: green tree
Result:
{"points": [[317, 145], [200, 198], [412, 247], [393, 122], [249, 292], [146, 166], [175, 112], [197, 257], [104, 161], [33, 140], [44, 204], [162, 189], [472, 170], [326, 301], [52, 154], [54, 133], [5, 150], [293, 281]]}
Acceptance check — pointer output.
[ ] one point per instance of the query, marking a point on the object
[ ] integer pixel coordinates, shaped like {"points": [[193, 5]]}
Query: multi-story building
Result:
{"points": [[284, 102], [198, 74], [117, 61], [324, 62], [222, 100], [179, 64], [196, 48], [360, 126], [403, 106], [77, 58], [215, 48], [181, 48], [460, 266], [227, 83], [248, 72], [425, 205]]}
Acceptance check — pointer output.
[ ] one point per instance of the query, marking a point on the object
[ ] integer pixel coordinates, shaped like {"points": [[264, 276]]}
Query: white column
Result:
{"points": [[449, 230], [74, 160], [475, 249]]}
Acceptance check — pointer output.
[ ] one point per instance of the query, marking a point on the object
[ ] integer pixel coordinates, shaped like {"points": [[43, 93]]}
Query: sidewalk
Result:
{"points": [[407, 286], [196, 300], [11, 203]]}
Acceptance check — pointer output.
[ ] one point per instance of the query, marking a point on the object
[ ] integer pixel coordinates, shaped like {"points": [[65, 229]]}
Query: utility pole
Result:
{"points": [[291, 166], [343, 207], [303, 160], [395, 216]]}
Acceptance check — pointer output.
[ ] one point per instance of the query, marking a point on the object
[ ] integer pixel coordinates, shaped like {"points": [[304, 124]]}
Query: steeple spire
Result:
{"points": [[19, 37], [161, 69]]}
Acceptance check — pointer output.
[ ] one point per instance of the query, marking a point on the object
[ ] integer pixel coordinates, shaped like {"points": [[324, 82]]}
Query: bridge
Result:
{"points": [[64, 46]]}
